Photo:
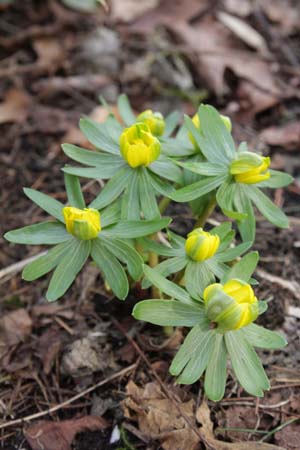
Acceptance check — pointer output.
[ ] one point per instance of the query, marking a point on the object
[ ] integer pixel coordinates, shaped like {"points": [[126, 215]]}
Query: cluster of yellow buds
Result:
{"points": [[196, 121], [84, 223], [201, 245], [138, 145], [250, 168], [232, 305], [154, 120]]}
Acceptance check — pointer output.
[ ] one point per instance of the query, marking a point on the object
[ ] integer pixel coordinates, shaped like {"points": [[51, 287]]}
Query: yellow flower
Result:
{"points": [[226, 120], [250, 168], [154, 120], [201, 245], [82, 223], [232, 305], [138, 146]]}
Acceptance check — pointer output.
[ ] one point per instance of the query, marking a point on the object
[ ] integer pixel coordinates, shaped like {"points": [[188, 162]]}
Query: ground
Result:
{"points": [[55, 64]]}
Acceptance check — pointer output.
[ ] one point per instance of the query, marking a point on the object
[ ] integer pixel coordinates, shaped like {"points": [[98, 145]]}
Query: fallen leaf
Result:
{"points": [[158, 418], [203, 417], [286, 13], [15, 107], [15, 327], [50, 51], [128, 10], [49, 345], [48, 435], [286, 136]]}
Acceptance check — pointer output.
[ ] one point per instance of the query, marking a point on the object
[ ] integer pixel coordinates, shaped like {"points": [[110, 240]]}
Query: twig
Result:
{"points": [[161, 383], [70, 400], [17, 267]]}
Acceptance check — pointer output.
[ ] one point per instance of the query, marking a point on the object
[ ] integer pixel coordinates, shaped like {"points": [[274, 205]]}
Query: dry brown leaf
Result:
{"points": [[48, 435], [50, 51], [128, 10], [244, 31], [203, 417], [158, 418], [286, 13], [49, 345], [286, 136], [15, 327], [15, 107]]}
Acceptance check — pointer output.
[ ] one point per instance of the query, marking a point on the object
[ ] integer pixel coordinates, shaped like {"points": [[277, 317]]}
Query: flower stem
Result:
{"points": [[202, 219], [163, 204]]}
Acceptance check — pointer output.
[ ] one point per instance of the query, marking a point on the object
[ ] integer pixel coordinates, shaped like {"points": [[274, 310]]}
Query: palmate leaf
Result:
{"points": [[198, 189], [125, 110], [226, 195], [192, 358], [67, 269], [171, 122], [47, 262], [135, 228], [48, 204], [267, 208], [161, 186], [166, 286], [113, 188], [167, 169], [40, 233], [244, 268], [215, 375], [246, 364], [169, 313], [177, 147], [111, 268], [277, 180], [247, 226], [207, 169], [148, 200], [125, 253], [74, 193], [168, 267], [161, 249], [234, 252], [131, 209], [97, 135], [197, 277], [111, 214], [260, 337]]}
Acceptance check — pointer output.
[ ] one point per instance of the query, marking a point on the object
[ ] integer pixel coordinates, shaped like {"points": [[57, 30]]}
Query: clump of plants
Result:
{"points": [[202, 281]]}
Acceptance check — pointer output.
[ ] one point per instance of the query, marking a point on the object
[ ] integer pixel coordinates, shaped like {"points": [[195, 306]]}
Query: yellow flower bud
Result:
{"points": [[201, 245], [196, 121], [154, 120], [232, 305], [82, 223], [138, 146], [250, 168]]}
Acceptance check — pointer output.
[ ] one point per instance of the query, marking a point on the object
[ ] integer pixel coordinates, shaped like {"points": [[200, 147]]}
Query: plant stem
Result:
{"points": [[163, 204], [202, 219]]}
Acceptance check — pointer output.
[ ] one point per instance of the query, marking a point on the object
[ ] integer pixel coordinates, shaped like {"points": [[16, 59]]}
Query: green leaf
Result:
{"points": [[148, 201], [113, 188], [262, 338], [171, 122], [176, 147], [243, 204], [218, 268], [167, 267], [104, 165], [111, 268], [160, 185], [161, 249], [192, 357], [68, 268], [125, 110], [268, 209], [169, 313], [111, 214], [125, 253], [75, 196], [167, 169], [226, 195], [79, 5], [277, 180], [39, 233], [166, 286], [215, 375], [97, 134], [204, 168], [136, 228], [131, 209], [246, 364], [198, 189], [222, 230], [45, 263], [233, 253], [197, 277], [244, 268], [48, 204]]}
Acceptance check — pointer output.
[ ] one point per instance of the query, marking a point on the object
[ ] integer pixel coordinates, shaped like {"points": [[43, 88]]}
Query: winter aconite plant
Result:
{"points": [[202, 280]]}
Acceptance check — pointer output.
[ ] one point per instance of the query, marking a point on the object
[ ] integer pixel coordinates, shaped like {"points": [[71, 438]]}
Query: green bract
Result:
{"points": [[205, 348], [235, 199], [69, 254], [197, 275]]}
